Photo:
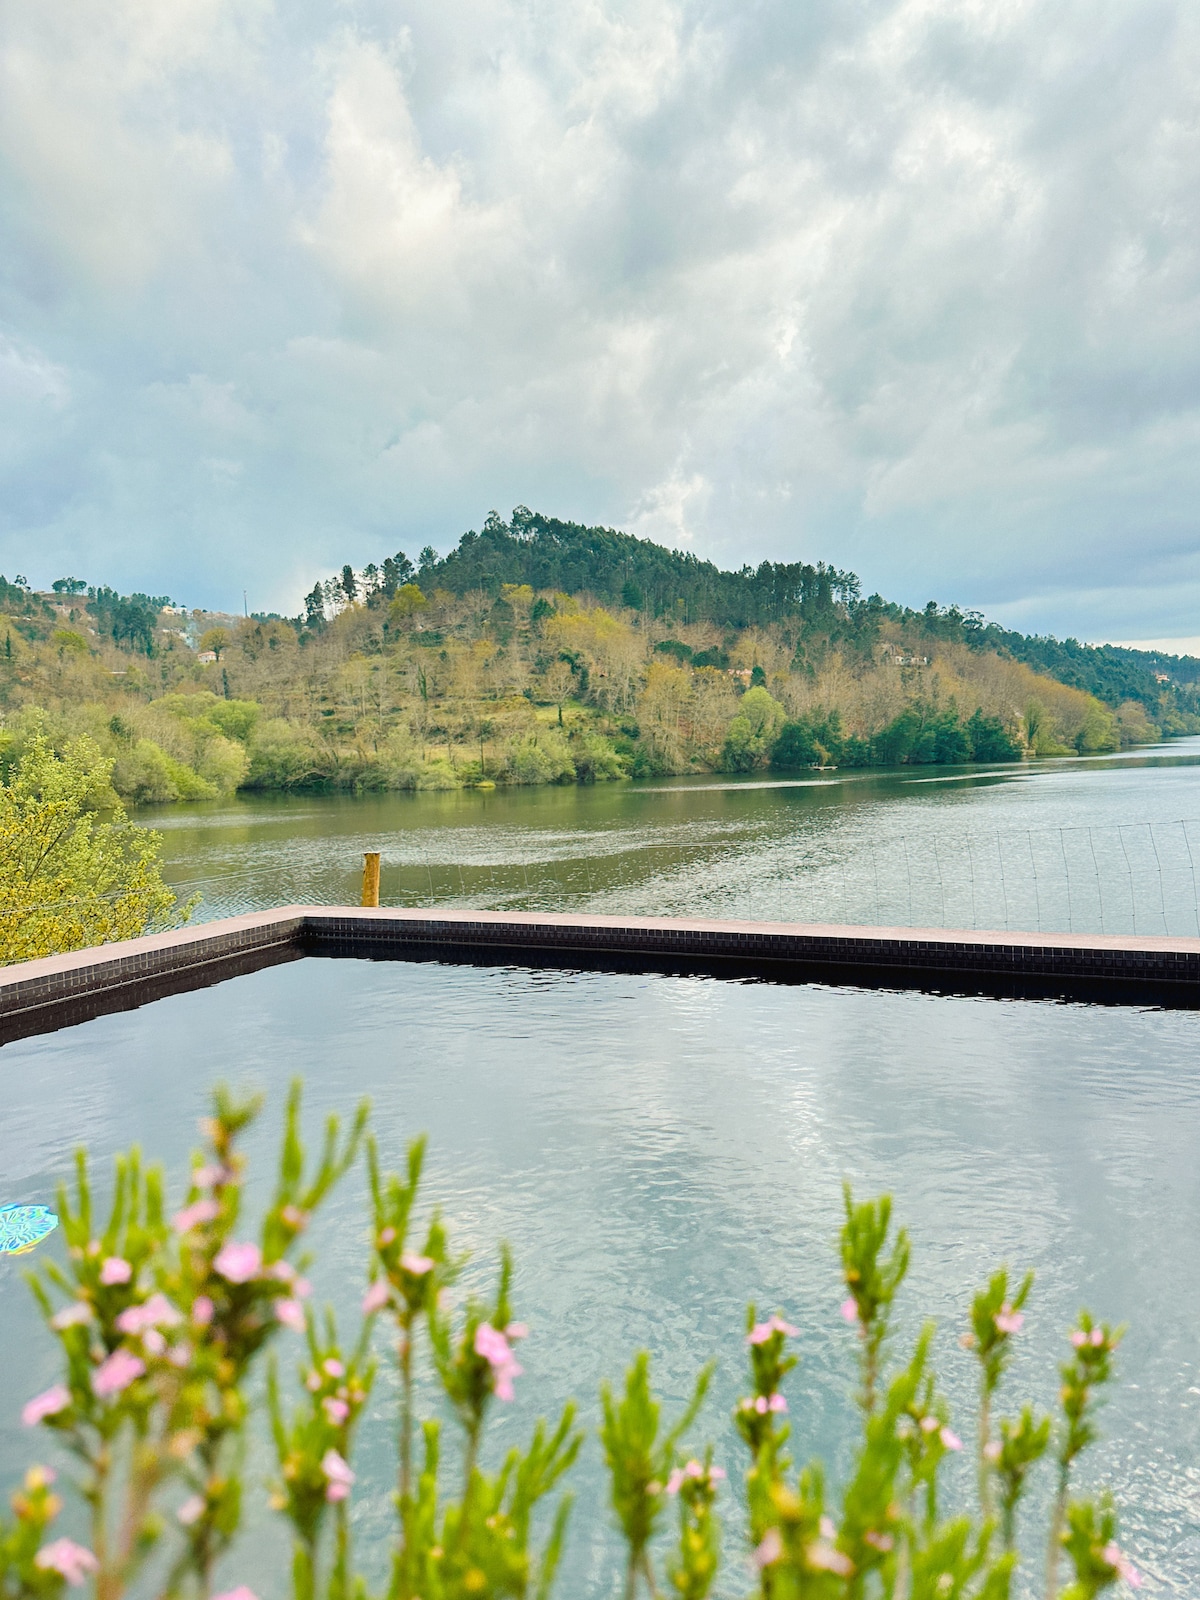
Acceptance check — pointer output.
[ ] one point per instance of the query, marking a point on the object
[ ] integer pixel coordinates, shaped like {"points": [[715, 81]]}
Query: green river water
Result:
{"points": [[1102, 845]]}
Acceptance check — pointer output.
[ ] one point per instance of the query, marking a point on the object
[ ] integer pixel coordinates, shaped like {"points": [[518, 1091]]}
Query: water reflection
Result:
{"points": [[1108, 846], [659, 1150]]}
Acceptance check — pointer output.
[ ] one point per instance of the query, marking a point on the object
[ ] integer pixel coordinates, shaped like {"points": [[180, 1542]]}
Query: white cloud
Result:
{"points": [[914, 287]]}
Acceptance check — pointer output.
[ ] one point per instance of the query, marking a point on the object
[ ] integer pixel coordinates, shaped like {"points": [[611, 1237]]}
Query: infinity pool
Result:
{"points": [[658, 1150]]}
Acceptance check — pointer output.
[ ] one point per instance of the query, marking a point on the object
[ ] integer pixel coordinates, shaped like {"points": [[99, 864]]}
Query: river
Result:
{"points": [[1107, 844]]}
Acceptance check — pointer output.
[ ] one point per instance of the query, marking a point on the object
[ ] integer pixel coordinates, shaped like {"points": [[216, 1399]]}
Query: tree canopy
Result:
{"points": [[71, 875]]}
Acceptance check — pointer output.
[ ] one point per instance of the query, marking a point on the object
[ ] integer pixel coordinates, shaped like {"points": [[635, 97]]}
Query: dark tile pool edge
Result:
{"points": [[40, 996], [59, 991]]}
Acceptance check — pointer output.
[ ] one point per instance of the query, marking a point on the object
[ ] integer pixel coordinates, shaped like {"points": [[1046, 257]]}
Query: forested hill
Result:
{"points": [[619, 569], [815, 609], [1109, 671], [540, 651]]}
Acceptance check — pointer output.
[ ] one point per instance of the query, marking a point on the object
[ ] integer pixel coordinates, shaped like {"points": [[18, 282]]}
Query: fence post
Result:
{"points": [[370, 889]]}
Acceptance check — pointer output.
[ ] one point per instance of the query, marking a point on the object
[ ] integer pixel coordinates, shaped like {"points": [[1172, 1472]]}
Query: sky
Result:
{"points": [[910, 287]]}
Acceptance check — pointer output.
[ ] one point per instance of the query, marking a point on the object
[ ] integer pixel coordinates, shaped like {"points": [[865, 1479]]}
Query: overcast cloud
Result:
{"points": [[912, 287]]}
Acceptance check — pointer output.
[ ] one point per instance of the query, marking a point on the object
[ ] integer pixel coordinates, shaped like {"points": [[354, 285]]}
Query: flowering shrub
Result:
{"points": [[162, 1318]]}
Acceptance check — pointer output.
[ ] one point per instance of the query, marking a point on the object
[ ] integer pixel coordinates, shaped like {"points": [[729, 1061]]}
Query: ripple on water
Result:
{"points": [[659, 1150]]}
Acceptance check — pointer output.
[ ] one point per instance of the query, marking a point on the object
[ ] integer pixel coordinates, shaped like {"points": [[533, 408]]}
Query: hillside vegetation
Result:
{"points": [[539, 651]]}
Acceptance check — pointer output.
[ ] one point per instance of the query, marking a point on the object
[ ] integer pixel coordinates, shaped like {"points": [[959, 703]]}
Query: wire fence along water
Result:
{"points": [[1120, 879], [1128, 878]]}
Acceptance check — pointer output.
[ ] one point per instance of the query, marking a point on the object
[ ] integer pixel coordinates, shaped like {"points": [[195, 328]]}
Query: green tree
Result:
{"points": [[990, 740], [67, 642], [1099, 731], [314, 608], [753, 732], [397, 570], [408, 601], [795, 747], [70, 877], [128, 619], [216, 640]]}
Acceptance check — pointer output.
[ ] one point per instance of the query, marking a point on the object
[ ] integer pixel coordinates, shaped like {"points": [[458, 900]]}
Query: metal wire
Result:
{"points": [[1099, 877]]}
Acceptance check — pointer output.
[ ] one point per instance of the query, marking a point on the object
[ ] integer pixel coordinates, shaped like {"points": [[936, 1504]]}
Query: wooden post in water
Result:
{"points": [[370, 894]]}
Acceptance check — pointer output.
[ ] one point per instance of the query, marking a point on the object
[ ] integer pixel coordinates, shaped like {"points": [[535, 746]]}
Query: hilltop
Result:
{"points": [[539, 651]]}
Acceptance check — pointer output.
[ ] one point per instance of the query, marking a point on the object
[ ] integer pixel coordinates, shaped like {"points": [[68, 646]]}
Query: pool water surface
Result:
{"points": [[658, 1150]]}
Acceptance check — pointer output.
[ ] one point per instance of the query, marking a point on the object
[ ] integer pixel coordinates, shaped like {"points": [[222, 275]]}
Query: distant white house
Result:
{"points": [[206, 656]]}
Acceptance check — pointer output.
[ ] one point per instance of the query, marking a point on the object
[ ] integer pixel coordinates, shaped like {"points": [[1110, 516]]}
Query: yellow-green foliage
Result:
{"points": [[70, 874], [437, 691]]}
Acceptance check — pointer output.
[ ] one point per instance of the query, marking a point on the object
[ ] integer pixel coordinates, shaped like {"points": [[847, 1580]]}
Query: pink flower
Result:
{"points": [[192, 1216], [313, 1382], [285, 1272], [191, 1510], [157, 1312], [1007, 1320], [504, 1376], [1116, 1557], [207, 1177], [375, 1298], [491, 1344], [694, 1469], [878, 1541], [770, 1550], [950, 1440], [762, 1331], [153, 1342], [115, 1269], [47, 1404], [1079, 1338], [824, 1558], [71, 1316], [849, 1310], [202, 1311], [336, 1410], [993, 1450], [773, 1402], [240, 1593], [296, 1219], [387, 1236], [238, 1263], [1097, 1337], [290, 1313], [71, 1561], [117, 1373], [334, 1367], [338, 1476], [516, 1330], [416, 1265]]}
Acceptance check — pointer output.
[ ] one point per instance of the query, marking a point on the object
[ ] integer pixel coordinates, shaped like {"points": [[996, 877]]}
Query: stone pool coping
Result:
{"points": [[57, 991]]}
